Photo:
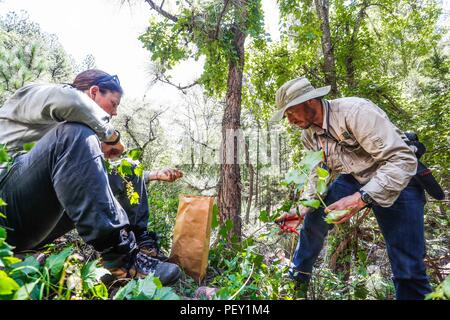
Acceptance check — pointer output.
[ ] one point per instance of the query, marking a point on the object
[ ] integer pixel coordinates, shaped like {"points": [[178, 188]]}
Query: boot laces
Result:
{"points": [[145, 263]]}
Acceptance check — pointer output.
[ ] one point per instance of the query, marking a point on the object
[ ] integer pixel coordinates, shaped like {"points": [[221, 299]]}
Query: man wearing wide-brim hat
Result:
{"points": [[374, 167]]}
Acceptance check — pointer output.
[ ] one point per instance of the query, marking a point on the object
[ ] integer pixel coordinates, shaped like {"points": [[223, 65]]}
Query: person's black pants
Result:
{"points": [[62, 184]]}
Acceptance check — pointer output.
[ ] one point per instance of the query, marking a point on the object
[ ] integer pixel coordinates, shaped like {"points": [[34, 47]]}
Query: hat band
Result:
{"points": [[304, 91]]}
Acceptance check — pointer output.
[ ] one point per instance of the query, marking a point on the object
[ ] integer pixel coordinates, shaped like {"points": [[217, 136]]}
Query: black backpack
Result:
{"points": [[424, 176]]}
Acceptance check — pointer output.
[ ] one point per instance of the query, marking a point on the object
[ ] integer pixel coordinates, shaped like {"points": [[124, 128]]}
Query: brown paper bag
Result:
{"points": [[191, 235]]}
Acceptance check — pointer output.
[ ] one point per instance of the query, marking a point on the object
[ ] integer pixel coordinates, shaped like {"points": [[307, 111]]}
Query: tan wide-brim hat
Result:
{"points": [[295, 92]]}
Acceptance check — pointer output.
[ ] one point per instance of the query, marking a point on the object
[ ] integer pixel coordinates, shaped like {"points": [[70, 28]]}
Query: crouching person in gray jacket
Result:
{"points": [[62, 182]]}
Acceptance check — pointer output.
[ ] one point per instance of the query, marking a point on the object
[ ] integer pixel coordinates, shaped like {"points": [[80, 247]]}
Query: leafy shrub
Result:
{"points": [[149, 288], [442, 291]]}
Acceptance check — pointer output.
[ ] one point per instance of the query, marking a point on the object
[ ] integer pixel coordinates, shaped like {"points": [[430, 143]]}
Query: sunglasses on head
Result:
{"points": [[108, 78]]}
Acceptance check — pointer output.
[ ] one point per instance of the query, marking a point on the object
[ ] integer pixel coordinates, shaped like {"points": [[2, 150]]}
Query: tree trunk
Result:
{"points": [[250, 182], [230, 179], [329, 66], [257, 171], [269, 158], [349, 64]]}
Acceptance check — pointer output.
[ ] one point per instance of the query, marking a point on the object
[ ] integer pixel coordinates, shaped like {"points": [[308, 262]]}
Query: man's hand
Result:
{"points": [[293, 214], [167, 174], [112, 151], [353, 203]]}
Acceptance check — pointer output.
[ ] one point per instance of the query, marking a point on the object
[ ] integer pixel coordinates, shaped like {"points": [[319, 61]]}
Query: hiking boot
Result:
{"points": [[148, 243], [141, 265], [125, 260]]}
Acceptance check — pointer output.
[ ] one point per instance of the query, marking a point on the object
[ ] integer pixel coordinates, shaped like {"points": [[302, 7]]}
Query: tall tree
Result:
{"points": [[216, 30], [329, 65], [28, 54], [87, 63]]}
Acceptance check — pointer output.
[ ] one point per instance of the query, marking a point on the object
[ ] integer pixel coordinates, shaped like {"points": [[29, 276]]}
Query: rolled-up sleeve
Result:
{"points": [[381, 139]]}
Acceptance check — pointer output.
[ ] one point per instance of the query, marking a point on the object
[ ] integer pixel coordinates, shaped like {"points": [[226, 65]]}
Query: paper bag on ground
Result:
{"points": [[190, 247]]}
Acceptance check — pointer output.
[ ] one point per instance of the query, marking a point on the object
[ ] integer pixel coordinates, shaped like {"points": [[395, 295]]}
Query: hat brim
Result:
{"points": [[316, 93]]}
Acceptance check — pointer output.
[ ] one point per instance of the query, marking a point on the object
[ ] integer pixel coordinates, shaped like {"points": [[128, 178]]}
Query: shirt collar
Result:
{"points": [[317, 130]]}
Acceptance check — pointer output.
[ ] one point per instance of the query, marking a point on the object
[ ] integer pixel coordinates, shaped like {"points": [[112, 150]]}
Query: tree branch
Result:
{"points": [[222, 13], [161, 77], [151, 134], [161, 11], [203, 144]]}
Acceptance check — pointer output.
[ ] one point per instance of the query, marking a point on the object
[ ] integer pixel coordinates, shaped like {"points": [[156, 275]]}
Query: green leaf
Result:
{"points": [[91, 274], [322, 173], [11, 260], [223, 232], [2, 202], [28, 146], [125, 291], [135, 154], [285, 207], [7, 284], [2, 215], [229, 225], [26, 267], [312, 203], [157, 282], [125, 168], [166, 294], [258, 259], [321, 186], [215, 217], [295, 177], [24, 293], [311, 160], [6, 250], [148, 286], [446, 287], [264, 216], [100, 291], [436, 295], [226, 228], [2, 233], [139, 170], [108, 166], [55, 262], [334, 216], [4, 156]]}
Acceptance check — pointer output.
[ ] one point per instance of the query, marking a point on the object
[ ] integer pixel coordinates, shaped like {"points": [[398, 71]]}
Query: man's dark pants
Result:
{"points": [[62, 184], [402, 226]]}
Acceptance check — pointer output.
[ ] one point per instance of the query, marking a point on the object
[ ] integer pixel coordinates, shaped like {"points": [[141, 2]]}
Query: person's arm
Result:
{"points": [[167, 174], [381, 139], [64, 103]]}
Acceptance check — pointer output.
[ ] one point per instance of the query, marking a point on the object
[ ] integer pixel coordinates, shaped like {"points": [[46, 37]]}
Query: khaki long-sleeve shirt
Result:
{"points": [[35, 109], [363, 142]]}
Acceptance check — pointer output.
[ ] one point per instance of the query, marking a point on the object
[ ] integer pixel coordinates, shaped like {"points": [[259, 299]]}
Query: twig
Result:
{"points": [[344, 243], [243, 286], [292, 250], [161, 11], [163, 79], [222, 13]]}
